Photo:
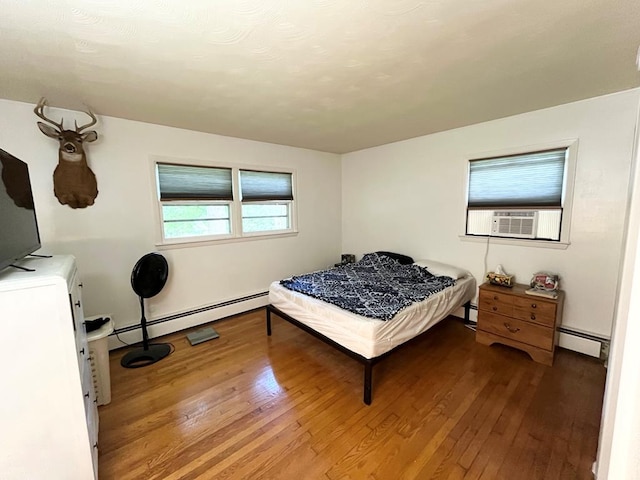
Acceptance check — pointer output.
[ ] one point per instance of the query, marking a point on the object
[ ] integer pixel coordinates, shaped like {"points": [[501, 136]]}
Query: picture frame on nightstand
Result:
{"points": [[347, 258]]}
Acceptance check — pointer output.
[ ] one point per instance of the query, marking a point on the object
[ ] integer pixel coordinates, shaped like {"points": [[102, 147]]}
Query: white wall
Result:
{"points": [[110, 236], [410, 197], [619, 445]]}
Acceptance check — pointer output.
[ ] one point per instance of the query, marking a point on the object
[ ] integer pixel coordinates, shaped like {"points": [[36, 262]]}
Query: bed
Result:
{"points": [[356, 333]]}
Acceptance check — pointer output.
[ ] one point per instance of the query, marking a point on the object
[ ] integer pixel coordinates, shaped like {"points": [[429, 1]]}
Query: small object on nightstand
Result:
{"points": [[544, 285], [542, 293], [501, 278], [347, 258], [545, 281]]}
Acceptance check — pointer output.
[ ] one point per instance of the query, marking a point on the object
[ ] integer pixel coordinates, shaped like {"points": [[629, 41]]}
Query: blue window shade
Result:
{"points": [[265, 186], [527, 180], [188, 182]]}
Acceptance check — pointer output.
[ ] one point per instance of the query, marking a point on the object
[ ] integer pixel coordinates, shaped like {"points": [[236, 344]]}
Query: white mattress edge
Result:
{"points": [[368, 337]]}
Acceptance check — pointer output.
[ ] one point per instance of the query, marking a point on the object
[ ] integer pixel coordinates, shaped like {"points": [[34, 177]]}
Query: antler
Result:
{"points": [[39, 111], [93, 121]]}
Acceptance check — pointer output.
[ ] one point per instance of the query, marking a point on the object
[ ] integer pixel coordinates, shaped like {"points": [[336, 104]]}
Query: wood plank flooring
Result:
{"points": [[248, 406]]}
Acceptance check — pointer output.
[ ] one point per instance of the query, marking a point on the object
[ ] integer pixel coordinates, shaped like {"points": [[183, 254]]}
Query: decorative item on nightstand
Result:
{"points": [[501, 278], [347, 258], [544, 284]]}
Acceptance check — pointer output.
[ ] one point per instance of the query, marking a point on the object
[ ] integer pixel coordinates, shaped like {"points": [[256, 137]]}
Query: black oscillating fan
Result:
{"points": [[147, 279]]}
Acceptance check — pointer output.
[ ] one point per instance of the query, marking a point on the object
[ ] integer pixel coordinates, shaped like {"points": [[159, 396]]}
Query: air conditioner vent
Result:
{"points": [[516, 224]]}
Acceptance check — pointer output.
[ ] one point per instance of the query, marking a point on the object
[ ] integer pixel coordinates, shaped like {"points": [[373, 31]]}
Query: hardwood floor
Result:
{"points": [[248, 406]]}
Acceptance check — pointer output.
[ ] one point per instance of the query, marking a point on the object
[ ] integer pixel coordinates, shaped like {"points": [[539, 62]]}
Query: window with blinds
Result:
{"points": [[200, 202], [518, 196], [188, 182], [266, 201], [195, 201]]}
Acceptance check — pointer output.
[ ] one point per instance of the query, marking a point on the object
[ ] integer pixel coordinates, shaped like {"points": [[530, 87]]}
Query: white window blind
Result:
{"points": [[188, 182], [265, 186], [527, 180], [208, 203]]}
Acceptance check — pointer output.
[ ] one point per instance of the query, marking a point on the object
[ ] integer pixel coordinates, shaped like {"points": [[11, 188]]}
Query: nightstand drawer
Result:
{"points": [[514, 329], [542, 317], [535, 309], [496, 303]]}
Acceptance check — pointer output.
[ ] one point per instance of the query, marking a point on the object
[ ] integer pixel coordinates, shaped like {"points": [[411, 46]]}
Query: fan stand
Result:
{"points": [[147, 279], [149, 353]]}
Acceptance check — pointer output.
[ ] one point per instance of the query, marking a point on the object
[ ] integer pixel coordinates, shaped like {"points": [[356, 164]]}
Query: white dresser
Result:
{"points": [[48, 412]]}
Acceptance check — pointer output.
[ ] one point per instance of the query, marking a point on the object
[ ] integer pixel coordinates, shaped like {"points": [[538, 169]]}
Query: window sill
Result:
{"points": [[209, 241], [515, 242]]}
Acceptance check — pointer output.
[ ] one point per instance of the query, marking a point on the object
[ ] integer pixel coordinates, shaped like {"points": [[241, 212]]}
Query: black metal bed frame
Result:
{"points": [[367, 362]]}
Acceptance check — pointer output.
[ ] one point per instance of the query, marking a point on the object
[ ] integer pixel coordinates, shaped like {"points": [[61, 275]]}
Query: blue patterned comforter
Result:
{"points": [[375, 287]]}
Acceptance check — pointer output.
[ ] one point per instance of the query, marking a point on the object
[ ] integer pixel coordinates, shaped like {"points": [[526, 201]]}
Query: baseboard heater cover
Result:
{"points": [[188, 313], [584, 342]]}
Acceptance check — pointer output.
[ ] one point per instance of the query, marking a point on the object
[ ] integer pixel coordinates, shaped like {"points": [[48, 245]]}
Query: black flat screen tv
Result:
{"points": [[18, 224]]}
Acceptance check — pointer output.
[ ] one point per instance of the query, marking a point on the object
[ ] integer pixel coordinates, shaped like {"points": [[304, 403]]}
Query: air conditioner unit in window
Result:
{"points": [[516, 224]]}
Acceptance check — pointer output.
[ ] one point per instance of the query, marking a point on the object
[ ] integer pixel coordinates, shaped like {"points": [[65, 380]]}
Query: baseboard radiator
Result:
{"points": [[584, 342], [571, 339], [179, 321]]}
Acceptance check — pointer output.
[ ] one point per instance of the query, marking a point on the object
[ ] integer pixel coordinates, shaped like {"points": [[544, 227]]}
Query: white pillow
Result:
{"points": [[440, 269]]}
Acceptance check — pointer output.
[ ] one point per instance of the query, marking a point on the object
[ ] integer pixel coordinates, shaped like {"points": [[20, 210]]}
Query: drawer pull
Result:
{"points": [[86, 394], [495, 297], [495, 309], [82, 350], [533, 317], [95, 445], [533, 305], [512, 330], [77, 304]]}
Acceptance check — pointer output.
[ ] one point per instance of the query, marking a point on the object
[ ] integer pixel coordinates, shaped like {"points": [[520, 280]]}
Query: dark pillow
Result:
{"points": [[403, 259]]}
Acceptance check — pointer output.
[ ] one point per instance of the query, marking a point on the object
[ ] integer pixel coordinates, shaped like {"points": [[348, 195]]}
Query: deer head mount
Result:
{"points": [[74, 183]]}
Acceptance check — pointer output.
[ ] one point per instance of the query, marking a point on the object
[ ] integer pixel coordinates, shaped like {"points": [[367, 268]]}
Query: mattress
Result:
{"points": [[365, 336]]}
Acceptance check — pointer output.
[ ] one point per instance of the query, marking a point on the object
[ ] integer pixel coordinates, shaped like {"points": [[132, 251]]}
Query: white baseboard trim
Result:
{"points": [[183, 321]]}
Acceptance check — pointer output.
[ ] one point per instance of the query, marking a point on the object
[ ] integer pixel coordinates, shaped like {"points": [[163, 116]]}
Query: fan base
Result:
{"points": [[141, 357]]}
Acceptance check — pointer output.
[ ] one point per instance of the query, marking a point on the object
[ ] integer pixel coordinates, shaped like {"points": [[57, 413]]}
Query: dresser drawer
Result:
{"points": [[518, 330], [534, 311], [496, 303]]}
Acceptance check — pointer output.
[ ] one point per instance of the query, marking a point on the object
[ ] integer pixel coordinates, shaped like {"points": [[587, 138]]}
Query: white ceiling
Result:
{"points": [[330, 75]]}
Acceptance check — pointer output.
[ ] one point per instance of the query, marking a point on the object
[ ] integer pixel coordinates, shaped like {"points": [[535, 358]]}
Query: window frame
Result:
{"points": [[289, 204], [566, 201], [235, 205], [271, 201], [203, 238]]}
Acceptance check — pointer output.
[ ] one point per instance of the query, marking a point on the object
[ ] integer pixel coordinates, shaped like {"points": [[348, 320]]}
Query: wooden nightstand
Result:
{"points": [[526, 322]]}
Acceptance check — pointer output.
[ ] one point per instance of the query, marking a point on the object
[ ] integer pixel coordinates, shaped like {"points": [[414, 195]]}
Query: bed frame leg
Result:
{"points": [[368, 368], [268, 321], [467, 312]]}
